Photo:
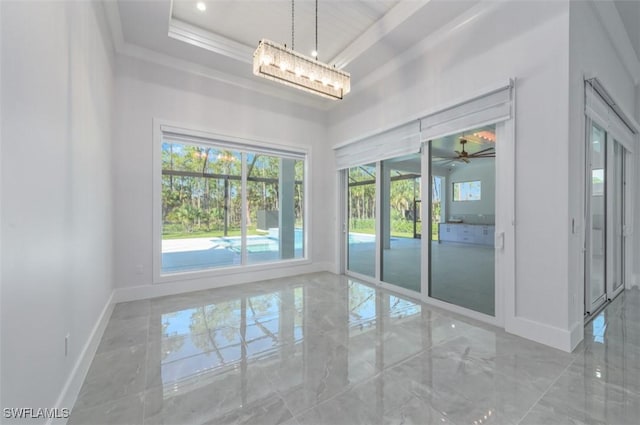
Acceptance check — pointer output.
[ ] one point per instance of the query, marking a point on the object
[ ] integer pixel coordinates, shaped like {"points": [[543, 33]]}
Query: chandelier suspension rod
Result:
{"points": [[293, 20]]}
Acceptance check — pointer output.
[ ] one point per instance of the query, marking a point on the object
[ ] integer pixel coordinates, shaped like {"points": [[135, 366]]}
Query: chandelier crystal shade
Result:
{"points": [[278, 63]]}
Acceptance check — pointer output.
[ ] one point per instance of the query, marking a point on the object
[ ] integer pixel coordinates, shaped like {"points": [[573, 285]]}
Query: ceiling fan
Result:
{"points": [[466, 157]]}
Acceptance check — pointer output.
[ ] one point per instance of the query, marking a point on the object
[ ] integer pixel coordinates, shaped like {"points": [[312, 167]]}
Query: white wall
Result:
{"points": [[146, 91], [528, 41], [483, 210], [635, 224], [57, 83], [592, 55]]}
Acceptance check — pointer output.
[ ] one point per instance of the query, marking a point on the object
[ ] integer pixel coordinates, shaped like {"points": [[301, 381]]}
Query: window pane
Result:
{"points": [[201, 207], [597, 218], [275, 208]]}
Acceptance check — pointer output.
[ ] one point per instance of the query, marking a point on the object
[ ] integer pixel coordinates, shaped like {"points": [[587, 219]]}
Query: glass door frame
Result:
{"points": [[593, 306], [615, 211]]}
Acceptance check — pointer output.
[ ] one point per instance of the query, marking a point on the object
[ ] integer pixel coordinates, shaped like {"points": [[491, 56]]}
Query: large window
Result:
{"points": [[229, 205]]}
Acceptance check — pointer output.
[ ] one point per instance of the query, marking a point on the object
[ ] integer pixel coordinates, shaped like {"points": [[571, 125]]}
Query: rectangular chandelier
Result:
{"points": [[276, 62]]}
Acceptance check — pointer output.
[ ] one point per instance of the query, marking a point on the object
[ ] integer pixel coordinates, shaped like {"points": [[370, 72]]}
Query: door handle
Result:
{"points": [[499, 245]]}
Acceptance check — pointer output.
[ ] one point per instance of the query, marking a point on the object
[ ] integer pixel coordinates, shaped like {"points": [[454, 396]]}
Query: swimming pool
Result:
{"points": [[361, 238], [260, 243]]}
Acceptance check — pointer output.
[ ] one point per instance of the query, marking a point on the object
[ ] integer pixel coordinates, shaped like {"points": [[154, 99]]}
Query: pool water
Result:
{"points": [[260, 243], [361, 238]]}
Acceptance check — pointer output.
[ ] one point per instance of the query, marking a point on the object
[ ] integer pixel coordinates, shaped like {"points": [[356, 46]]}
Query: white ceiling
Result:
{"points": [[356, 35]]}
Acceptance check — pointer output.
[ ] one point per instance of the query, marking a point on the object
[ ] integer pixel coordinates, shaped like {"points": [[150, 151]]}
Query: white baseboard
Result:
{"points": [[142, 292], [562, 339], [72, 387]]}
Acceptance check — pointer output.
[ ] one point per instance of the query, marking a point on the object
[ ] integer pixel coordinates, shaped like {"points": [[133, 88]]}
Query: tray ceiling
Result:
{"points": [[247, 22], [355, 35]]}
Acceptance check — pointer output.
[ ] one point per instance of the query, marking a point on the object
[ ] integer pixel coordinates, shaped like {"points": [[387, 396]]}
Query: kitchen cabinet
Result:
{"points": [[478, 234]]}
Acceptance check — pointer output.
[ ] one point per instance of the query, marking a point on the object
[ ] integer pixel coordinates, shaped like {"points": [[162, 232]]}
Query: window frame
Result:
{"points": [[453, 191], [191, 134]]}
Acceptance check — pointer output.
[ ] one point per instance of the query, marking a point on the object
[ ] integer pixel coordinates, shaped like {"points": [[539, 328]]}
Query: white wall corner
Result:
{"points": [[562, 339], [71, 389], [112, 13], [577, 334]]}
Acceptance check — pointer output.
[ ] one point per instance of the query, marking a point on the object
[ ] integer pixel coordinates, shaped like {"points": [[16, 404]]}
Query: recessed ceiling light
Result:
{"points": [[201, 6]]}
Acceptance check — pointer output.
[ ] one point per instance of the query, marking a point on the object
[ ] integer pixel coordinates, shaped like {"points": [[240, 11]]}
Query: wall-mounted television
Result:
{"points": [[467, 191]]}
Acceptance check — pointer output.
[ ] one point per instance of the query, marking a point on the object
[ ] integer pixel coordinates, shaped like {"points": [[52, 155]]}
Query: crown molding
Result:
{"points": [[204, 39], [613, 25], [383, 26]]}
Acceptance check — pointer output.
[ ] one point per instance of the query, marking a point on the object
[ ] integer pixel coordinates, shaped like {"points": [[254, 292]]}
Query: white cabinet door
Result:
{"points": [[466, 233]]}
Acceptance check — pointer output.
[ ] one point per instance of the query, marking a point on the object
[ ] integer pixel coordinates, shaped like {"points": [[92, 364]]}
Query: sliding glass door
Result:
{"points": [[420, 215], [604, 260], [361, 222], [385, 228], [384, 221], [401, 221], [615, 215], [595, 292], [463, 213]]}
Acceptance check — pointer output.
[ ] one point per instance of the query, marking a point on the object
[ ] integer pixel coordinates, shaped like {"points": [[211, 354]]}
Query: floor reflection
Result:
{"points": [[203, 341], [324, 349]]}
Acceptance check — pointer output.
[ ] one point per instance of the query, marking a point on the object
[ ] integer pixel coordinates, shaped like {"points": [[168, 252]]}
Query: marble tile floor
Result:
{"points": [[325, 349]]}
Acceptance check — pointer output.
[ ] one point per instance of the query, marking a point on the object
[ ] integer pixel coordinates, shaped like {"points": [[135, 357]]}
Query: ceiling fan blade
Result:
{"points": [[465, 160], [458, 152], [484, 155], [484, 150]]}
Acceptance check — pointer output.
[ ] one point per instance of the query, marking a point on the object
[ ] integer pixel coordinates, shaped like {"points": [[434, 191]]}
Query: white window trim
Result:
{"points": [[202, 136]]}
